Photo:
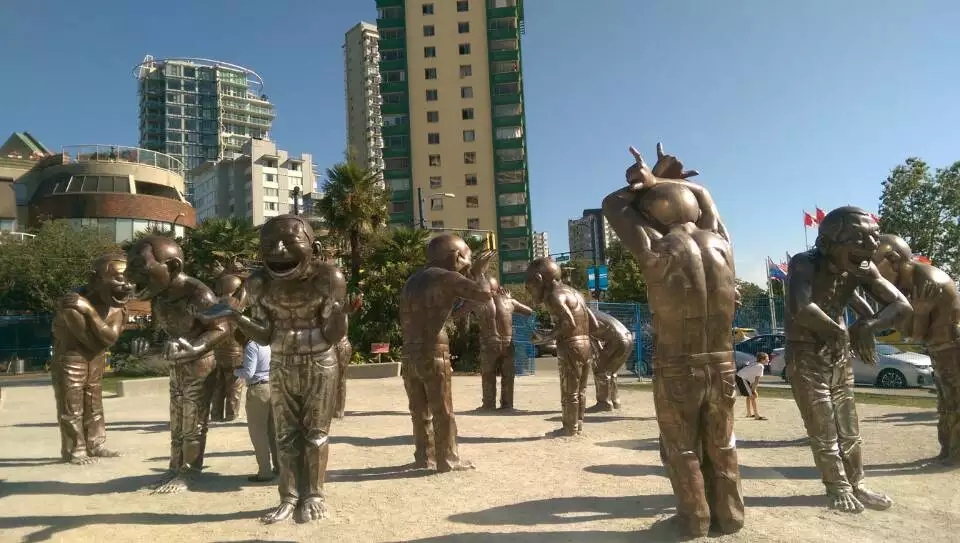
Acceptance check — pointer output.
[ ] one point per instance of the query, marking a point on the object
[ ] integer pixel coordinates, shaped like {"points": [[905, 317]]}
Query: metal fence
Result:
{"points": [[26, 337], [631, 315], [524, 352]]}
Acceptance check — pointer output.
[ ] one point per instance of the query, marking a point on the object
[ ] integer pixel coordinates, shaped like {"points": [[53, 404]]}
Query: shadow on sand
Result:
{"points": [[907, 418]]}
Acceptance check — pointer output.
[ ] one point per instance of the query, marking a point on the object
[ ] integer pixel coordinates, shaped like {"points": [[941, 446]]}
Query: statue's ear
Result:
{"points": [[175, 266], [317, 248]]}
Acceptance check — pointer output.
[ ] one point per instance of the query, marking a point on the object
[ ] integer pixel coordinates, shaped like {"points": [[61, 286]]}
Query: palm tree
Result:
{"points": [[223, 240], [402, 245], [355, 203]]}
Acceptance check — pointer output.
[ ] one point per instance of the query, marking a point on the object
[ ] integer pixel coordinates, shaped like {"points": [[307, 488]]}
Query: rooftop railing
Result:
{"points": [[119, 153]]}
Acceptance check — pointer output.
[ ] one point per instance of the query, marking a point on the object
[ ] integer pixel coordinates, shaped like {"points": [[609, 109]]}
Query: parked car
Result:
{"points": [[742, 334], [894, 369], [765, 343], [547, 349]]}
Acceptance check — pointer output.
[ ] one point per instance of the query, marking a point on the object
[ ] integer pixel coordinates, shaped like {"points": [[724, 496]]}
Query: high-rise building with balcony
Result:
{"points": [[590, 235], [198, 109], [362, 83], [541, 245], [453, 120]]}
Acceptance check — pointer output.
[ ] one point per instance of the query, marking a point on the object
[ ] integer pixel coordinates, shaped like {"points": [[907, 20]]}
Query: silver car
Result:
{"points": [[894, 368]]}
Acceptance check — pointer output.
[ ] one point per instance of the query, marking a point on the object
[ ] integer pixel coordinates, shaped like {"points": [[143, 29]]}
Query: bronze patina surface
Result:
{"points": [[684, 252], [300, 305], [87, 323], [820, 283], [155, 267], [934, 321], [426, 302], [613, 344]]}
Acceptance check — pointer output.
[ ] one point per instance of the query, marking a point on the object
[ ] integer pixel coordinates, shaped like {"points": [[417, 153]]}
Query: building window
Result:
{"points": [[466, 92], [469, 135], [392, 54], [433, 116], [434, 160], [511, 176], [464, 48], [428, 31], [513, 221], [270, 206], [509, 132], [436, 224], [514, 266], [395, 76], [428, 9], [507, 110], [463, 5], [467, 113], [463, 28], [436, 182], [271, 192], [430, 73], [398, 184], [473, 201], [469, 157], [512, 199], [466, 70], [513, 244], [398, 207], [269, 178], [470, 179], [473, 223], [506, 88], [429, 52], [433, 138], [432, 95], [436, 203]]}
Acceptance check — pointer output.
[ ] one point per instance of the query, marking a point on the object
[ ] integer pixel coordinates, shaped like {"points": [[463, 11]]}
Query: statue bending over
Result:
{"points": [[572, 333], [673, 228], [426, 302], [497, 349], [821, 282], [935, 321], [155, 267], [303, 302], [614, 344], [87, 323], [229, 352]]}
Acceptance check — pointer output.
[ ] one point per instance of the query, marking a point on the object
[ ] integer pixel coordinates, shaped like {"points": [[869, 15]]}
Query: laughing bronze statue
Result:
{"points": [[229, 352], [673, 228], [303, 303], [426, 302], [573, 322], [87, 323], [935, 322], [155, 267], [497, 349], [613, 346], [820, 283]]}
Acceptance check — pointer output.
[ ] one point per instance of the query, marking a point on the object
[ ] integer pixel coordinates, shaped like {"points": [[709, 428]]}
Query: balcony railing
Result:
{"points": [[119, 153]]}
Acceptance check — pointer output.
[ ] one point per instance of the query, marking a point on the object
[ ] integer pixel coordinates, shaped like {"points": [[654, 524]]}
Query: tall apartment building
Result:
{"points": [[541, 245], [590, 235], [258, 183], [361, 59], [453, 120], [198, 109]]}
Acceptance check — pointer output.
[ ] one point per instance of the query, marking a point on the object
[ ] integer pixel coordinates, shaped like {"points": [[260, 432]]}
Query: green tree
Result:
{"points": [[35, 273], [221, 240], [354, 203], [626, 280], [575, 273], [923, 207]]}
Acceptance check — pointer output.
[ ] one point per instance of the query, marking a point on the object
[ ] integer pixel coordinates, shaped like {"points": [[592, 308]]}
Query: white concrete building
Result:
{"points": [[590, 234], [361, 59], [541, 245]]}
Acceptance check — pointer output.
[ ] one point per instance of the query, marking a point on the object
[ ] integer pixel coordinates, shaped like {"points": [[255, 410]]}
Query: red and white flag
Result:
{"points": [[808, 220], [820, 215]]}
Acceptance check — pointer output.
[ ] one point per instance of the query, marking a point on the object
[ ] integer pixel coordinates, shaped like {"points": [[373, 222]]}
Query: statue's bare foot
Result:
{"points": [[943, 455], [164, 479], [506, 408], [560, 432], [280, 514], [845, 502], [462, 465], [312, 510], [599, 408], [339, 414], [179, 483], [871, 499], [103, 452], [82, 460], [617, 404]]}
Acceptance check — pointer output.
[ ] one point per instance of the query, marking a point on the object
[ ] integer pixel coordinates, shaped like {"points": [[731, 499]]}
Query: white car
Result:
{"points": [[894, 368]]}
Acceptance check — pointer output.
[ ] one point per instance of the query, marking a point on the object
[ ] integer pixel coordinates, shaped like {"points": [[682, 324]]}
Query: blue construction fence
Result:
{"points": [[760, 315], [26, 337]]}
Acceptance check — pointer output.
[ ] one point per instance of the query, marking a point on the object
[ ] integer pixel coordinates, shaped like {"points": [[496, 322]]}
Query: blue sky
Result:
{"points": [[782, 106]]}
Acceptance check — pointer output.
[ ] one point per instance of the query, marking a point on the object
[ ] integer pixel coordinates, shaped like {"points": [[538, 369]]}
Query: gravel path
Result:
{"points": [[606, 486]]}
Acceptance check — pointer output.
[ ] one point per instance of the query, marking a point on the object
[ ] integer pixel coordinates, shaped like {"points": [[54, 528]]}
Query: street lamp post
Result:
{"points": [[296, 197], [423, 223]]}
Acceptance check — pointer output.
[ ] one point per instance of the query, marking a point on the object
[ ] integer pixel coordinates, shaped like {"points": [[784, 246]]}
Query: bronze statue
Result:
{"points": [[426, 302], [344, 354], [496, 337], [613, 345], [303, 302], [155, 267], [935, 321], [228, 353], [820, 283], [573, 322], [684, 252], [87, 323]]}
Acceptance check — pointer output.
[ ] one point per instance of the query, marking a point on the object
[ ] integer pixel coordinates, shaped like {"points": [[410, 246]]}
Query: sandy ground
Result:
{"points": [[606, 486]]}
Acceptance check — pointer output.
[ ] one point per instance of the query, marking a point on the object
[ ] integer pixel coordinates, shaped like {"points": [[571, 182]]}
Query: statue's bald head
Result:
{"points": [[161, 248], [892, 256], [542, 275], [153, 263], [450, 252], [281, 222]]}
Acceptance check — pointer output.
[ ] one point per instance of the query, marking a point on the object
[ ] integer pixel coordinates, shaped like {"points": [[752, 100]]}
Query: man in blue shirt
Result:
{"points": [[256, 372]]}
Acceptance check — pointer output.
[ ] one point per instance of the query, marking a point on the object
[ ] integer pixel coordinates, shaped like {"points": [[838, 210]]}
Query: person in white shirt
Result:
{"points": [[748, 380]]}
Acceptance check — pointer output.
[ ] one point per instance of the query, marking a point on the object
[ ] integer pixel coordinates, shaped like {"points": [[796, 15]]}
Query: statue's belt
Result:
{"points": [[693, 360]]}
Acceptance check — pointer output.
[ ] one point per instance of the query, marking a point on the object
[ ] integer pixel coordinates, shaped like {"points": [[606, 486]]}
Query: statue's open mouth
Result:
{"points": [[861, 260], [282, 268]]}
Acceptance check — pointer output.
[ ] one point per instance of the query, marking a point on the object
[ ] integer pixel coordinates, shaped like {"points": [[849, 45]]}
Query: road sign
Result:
{"points": [[561, 258], [592, 273], [379, 348]]}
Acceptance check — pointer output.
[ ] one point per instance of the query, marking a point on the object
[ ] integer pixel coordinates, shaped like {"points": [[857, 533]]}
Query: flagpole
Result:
{"points": [[773, 311]]}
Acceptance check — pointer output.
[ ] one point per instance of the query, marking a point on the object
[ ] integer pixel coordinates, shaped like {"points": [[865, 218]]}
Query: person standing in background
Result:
{"points": [[255, 371], [748, 381]]}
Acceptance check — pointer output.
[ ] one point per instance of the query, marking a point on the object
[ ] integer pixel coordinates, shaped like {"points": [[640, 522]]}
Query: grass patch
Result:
{"points": [[861, 396]]}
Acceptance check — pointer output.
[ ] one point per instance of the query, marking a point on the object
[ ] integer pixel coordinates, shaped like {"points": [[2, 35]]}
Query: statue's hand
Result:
{"points": [[480, 264], [74, 301], [180, 349], [863, 343], [220, 311]]}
